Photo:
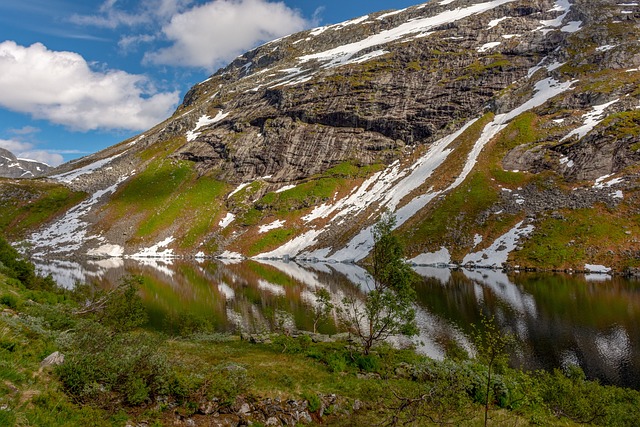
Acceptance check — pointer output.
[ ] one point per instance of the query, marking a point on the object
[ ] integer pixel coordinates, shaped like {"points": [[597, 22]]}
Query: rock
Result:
{"points": [[245, 409], [208, 408], [54, 359], [226, 420], [12, 167], [304, 417], [272, 421]]}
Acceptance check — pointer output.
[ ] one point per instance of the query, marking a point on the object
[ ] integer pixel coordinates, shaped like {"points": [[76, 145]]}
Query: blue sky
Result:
{"points": [[76, 77]]}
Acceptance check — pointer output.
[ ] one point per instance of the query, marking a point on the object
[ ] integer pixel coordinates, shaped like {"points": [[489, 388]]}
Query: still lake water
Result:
{"points": [[592, 321]]}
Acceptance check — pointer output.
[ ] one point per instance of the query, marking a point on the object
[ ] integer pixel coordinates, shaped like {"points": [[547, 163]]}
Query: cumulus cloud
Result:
{"points": [[26, 150], [62, 88], [212, 34]]}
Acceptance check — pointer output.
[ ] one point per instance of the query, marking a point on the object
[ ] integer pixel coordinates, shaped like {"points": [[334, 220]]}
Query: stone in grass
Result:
{"points": [[54, 359]]}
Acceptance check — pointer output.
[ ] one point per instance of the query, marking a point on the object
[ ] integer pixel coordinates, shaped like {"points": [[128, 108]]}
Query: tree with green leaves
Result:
{"points": [[323, 307], [388, 307], [492, 349]]}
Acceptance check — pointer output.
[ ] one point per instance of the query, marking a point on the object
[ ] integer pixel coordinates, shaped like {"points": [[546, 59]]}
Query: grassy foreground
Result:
{"points": [[116, 373]]}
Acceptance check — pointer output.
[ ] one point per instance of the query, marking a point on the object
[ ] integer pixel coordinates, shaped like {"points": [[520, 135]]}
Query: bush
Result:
{"points": [[13, 265], [314, 402], [9, 300], [125, 310], [368, 363], [226, 382], [102, 368]]}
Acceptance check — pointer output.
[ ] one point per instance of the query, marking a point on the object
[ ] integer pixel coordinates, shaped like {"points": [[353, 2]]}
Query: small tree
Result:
{"points": [[388, 307], [492, 347], [323, 307]]}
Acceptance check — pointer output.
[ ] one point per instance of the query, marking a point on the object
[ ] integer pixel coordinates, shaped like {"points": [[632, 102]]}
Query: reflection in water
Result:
{"points": [[558, 319]]}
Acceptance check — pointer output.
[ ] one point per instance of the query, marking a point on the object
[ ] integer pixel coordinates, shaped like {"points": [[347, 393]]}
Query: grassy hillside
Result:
{"points": [[27, 204]]}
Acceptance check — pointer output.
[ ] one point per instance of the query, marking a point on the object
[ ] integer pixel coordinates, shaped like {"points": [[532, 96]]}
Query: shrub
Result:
{"points": [[102, 368], [9, 300], [314, 402], [336, 361], [368, 363], [226, 382]]}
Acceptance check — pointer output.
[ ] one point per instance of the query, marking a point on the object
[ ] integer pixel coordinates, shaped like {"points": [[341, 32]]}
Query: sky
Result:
{"points": [[80, 76]]}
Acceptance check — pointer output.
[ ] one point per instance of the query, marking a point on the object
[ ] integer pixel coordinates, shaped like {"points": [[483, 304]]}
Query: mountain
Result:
{"points": [[12, 167], [499, 132]]}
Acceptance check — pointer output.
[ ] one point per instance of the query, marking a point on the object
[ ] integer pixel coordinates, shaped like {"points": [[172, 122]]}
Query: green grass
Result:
{"points": [[170, 193], [457, 213], [315, 191], [27, 204], [578, 239], [270, 240]]}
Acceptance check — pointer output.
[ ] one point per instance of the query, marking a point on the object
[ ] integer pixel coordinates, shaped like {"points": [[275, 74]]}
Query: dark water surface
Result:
{"points": [[592, 321]]}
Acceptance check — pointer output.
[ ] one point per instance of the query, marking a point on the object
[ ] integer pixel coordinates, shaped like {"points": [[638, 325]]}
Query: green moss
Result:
{"points": [[414, 66], [625, 124]]}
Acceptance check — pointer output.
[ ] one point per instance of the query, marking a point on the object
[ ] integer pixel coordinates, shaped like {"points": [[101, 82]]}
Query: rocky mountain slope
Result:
{"points": [[12, 167], [499, 131]]}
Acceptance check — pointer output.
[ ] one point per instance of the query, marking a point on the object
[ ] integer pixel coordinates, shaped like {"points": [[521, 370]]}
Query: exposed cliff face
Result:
{"points": [[485, 125], [12, 167]]}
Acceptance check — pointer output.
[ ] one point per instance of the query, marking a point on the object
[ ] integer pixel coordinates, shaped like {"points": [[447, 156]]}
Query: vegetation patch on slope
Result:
{"points": [[169, 194], [571, 239], [26, 204]]}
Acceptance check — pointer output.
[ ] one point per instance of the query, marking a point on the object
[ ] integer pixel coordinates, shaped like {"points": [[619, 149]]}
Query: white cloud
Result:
{"points": [[26, 150], [148, 12], [26, 130], [214, 33], [62, 88]]}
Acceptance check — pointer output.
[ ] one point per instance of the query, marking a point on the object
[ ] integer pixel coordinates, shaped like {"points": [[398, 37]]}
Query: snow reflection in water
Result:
{"points": [[558, 319]]}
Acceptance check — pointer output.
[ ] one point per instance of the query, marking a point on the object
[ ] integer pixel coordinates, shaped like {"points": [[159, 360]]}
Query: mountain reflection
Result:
{"points": [[557, 319]]}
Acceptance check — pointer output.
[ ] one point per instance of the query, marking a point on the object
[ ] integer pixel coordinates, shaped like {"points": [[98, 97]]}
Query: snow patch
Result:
{"points": [[498, 253], [595, 268], [605, 48], [107, 250], [155, 252], [565, 161], [228, 219], [238, 188], [433, 258], [572, 27], [591, 120], [488, 46], [271, 226], [560, 6], [285, 188], [205, 121], [603, 183], [495, 22]]}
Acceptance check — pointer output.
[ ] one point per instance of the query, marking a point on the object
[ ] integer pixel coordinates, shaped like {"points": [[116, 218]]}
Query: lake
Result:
{"points": [[558, 319]]}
